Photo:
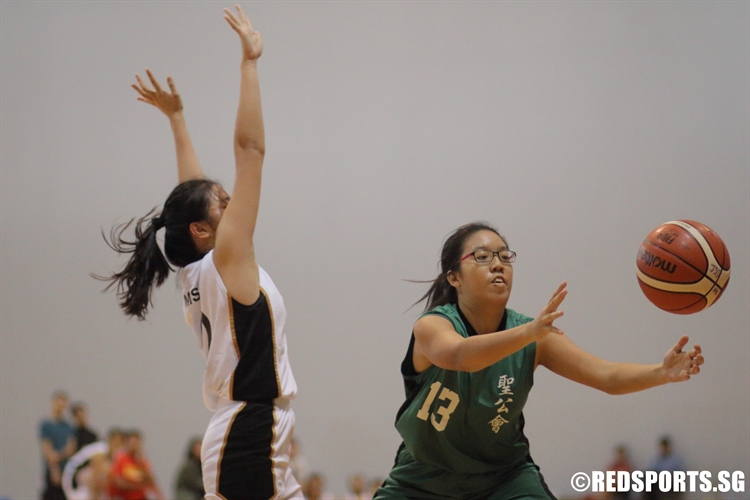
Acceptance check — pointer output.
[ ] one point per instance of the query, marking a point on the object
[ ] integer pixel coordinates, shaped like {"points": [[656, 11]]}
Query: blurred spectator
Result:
{"points": [[298, 463], [102, 463], [314, 488], [131, 476], [375, 483], [83, 434], [58, 444], [358, 488], [78, 474], [189, 484], [621, 462], [666, 460]]}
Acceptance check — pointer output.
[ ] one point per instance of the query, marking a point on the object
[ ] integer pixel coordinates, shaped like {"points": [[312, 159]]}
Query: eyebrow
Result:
{"points": [[482, 247]]}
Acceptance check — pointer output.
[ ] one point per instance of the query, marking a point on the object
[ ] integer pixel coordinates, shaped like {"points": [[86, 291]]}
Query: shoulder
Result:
{"points": [[438, 317], [45, 428], [448, 312], [429, 323], [194, 271], [516, 319]]}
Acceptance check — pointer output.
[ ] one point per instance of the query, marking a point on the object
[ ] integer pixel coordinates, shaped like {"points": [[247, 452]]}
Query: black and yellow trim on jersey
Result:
{"points": [[256, 376]]}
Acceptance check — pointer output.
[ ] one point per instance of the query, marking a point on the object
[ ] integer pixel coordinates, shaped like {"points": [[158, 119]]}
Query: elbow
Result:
{"points": [[250, 146], [469, 366]]}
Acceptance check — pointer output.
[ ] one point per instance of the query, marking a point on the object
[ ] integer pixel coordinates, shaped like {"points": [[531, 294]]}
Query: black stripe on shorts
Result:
{"points": [[245, 468]]}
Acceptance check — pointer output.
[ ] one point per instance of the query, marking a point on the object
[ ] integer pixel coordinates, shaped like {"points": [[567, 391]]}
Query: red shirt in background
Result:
{"points": [[136, 471]]}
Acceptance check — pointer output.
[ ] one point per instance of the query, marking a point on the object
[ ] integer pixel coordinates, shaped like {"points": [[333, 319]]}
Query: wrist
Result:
{"points": [[176, 117], [662, 375], [532, 334]]}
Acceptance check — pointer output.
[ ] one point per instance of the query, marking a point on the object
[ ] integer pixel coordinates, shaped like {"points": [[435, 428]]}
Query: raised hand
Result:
{"points": [[542, 324], [168, 103], [679, 365], [252, 45]]}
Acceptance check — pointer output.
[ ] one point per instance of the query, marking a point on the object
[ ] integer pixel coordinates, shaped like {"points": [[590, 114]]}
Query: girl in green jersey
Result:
{"points": [[468, 371]]}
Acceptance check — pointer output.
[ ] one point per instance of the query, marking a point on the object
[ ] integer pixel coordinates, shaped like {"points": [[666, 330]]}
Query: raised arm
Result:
{"points": [[234, 253], [437, 343], [170, 104], [562, 356]]}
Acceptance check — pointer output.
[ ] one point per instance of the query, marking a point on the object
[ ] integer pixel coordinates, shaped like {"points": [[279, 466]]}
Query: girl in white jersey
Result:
{"points": [[231, 304]]}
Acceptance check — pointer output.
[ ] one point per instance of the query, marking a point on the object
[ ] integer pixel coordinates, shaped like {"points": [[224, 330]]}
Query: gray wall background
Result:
{"points": [[575, 127]]}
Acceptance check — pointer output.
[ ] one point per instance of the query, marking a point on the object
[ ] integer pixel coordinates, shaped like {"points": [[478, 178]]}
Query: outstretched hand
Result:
{"points": [[542, 324], [168, 103], [679, 365], [252, 45]]}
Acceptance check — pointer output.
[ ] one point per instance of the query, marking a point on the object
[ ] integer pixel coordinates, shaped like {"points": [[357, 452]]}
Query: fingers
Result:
{"points": [[551, 318], [229, 16], [696, 355], [141, 86], [157, 94], [138, 89], [560, 293], [680, 344], [170, 82], [557, 298], [237, 22], [153, 81]]}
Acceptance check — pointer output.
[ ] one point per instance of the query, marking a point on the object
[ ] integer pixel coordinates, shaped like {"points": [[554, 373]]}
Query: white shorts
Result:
{"points": [[245, 452]]}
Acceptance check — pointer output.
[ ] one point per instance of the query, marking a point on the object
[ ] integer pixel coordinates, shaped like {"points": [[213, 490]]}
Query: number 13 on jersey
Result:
{"points": [[443, 411]]}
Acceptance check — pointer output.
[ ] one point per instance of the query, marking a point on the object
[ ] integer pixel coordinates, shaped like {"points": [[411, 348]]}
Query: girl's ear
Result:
{"points": [[453, 280], [201, 230]]}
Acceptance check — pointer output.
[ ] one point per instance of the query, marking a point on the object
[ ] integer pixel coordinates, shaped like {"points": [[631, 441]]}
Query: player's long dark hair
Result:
{"points": [[148, 267], [441, 292]]}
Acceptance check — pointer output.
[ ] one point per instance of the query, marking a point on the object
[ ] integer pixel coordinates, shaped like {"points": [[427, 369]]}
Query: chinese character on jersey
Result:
{"points": [[497, 422], [503, 384]]}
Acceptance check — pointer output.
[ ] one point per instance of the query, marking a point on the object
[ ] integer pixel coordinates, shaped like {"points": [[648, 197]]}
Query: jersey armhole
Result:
{"points": [[407, 365]]}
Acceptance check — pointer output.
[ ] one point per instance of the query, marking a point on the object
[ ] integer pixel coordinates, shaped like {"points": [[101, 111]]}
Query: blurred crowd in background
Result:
{"points": [[79, 464]]}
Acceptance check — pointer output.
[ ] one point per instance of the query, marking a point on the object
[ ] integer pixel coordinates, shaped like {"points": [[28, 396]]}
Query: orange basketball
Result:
{"points": [[683, 267]]}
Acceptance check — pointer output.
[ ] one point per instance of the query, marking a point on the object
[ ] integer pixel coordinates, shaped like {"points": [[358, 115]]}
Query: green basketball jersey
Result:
{"points": [[464, 424]]}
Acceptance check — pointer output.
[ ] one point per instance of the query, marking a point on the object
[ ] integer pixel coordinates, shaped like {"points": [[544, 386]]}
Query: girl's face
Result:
{"points": [[217, 205], [477, 281]]}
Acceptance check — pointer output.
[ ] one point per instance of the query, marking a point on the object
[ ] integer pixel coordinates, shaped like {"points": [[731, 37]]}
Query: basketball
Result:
{"points": [[683, 267]]}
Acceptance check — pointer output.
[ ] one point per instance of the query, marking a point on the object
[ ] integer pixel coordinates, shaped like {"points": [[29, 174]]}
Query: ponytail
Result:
{"points": [[146, 269], [440, 293]]}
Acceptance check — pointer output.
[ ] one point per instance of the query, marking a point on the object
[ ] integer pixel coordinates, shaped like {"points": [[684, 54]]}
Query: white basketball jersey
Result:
{"points": [[245, 346]]}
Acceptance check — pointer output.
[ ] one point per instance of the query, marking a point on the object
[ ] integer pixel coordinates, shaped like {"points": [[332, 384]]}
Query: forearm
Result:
{"points": [[70, 448], [480, 351], [249, 133], [625, 378], [188, 166], [51, 457]]}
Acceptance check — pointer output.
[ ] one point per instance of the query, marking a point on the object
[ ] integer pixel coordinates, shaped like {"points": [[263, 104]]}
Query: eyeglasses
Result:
{"points": [[484, 257]]}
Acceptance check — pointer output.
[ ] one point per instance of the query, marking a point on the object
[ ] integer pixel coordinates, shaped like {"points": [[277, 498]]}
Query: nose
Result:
{"points": [[496, 264]]}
